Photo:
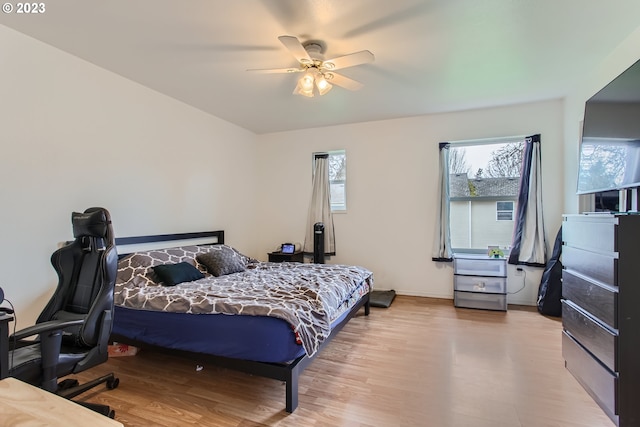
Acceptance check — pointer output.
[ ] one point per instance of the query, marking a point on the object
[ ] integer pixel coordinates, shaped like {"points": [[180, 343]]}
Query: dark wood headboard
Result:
{"points": [[202, 237]]}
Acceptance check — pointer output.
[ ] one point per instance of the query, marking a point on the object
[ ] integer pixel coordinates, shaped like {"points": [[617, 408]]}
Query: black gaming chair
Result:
{"points": [[74, 328]]}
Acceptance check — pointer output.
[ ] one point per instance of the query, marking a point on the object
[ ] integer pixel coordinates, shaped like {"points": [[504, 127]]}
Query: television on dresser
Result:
{"points": [[610, 146]]}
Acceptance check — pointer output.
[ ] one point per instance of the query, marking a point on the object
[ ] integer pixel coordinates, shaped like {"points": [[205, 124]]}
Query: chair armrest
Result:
{"points": [[49, 326], [50, 334]]}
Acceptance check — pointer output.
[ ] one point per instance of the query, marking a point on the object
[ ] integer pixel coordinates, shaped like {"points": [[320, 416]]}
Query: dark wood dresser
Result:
{"points": [[601, 310]]}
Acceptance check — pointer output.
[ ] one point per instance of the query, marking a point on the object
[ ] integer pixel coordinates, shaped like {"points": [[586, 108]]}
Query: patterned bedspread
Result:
{"points": [[308, 296]]}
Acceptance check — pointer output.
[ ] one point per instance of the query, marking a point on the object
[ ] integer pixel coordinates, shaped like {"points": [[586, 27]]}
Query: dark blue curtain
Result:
{"points": [[529, 246]]}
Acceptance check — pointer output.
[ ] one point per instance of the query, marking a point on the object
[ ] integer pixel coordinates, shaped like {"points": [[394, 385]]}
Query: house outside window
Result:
{"points": [[337, 179], [483, 192]]}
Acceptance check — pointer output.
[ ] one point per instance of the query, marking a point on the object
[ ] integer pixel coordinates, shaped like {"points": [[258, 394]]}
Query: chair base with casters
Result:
{"points": [[70, 388]]}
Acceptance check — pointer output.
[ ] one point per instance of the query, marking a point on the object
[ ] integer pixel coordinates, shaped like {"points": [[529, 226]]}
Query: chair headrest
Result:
{"points": [[94, 222]]}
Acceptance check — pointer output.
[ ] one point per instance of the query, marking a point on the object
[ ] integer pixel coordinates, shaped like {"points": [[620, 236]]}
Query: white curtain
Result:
{"points": [[442, 242], [320, 207], [529, 246]]}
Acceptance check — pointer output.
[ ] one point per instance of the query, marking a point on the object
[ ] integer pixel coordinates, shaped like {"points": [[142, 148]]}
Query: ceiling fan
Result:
{"points": [[317, 71]]}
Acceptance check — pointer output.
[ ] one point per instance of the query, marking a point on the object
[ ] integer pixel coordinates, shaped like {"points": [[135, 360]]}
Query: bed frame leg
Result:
{"points": [[292, 390], [367, 308]]}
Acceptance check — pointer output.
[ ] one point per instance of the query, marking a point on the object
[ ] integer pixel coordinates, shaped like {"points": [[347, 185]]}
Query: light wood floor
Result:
{"points": [[420, 362]]}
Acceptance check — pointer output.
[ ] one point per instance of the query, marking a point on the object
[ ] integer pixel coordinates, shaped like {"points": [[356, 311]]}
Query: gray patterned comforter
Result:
{"points": [[308, 296]]}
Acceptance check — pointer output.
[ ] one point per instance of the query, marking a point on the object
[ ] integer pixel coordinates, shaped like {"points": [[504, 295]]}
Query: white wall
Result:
{"points": [[74, 136], [392, 171]]}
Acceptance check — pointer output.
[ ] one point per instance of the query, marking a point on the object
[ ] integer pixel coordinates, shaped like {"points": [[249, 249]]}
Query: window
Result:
{"points": [[483, 190], [337, 179], [504, 211]]}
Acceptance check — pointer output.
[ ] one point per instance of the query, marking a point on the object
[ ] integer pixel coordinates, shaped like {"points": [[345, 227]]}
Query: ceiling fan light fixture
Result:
{"points": [[317, 71], [299, 91], [305, 85], [306, 82], [323, 85]]}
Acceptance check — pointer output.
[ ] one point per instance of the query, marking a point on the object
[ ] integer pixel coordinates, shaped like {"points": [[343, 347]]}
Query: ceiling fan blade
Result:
{"points": [[357, 58], [295, 47], [345, 82], [276, 70]]}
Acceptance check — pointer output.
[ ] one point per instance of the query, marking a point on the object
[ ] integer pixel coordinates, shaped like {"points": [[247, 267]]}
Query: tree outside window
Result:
{"points": [[483, 191]]}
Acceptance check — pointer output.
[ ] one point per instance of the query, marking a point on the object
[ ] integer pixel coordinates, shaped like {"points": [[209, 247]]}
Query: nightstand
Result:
{"points": [[280, 257], [480, 282]]}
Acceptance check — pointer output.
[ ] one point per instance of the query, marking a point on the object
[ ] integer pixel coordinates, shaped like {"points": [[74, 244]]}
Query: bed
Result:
{"points": [[201, 298]]}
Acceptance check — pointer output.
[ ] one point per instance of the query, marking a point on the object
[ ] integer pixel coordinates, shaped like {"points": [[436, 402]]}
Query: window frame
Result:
{"points": [[513, 199], [335, 207], [499, 211]]}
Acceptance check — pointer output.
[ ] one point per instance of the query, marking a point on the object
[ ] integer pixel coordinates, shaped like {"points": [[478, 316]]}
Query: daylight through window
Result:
{"points": [[483, 191], [337, 179]]}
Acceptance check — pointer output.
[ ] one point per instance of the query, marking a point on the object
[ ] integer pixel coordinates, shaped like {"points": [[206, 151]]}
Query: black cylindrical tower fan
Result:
{"points": [[318, 243]]}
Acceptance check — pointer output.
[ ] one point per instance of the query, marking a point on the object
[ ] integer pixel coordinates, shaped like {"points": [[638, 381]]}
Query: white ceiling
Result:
{"points": [[431, 55]]}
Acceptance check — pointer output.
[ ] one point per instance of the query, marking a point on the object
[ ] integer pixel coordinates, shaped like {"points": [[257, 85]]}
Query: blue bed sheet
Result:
{"points": [[257, 338]]}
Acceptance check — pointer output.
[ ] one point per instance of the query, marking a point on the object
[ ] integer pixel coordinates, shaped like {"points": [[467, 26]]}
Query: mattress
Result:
{"points": [[268, 312], [257, 338]]}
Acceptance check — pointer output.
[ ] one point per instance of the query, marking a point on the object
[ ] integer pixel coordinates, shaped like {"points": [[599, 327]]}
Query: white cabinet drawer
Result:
{"points": [[480, 266], [484, 284], [480, 300]]}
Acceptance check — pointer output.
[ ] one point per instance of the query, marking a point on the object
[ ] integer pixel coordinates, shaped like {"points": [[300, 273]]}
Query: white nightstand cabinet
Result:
{"points": [[480, 282]]}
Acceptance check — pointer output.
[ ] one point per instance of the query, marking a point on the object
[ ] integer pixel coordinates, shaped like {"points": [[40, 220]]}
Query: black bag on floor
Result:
{"points": [[550, 290]]}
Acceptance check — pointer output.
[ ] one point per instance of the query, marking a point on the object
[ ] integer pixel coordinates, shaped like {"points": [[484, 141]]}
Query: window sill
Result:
{"points": [[463, 251]]}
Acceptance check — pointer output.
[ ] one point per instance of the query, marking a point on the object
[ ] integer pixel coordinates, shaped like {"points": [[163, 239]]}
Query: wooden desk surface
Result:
{"points": [[23, 405]]}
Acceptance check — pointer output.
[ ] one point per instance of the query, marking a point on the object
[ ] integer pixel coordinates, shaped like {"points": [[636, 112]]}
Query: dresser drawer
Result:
{"points": [[480, 300], [600, 341], [597, 380], [484, 284], [596, 233], [600, 267], [600, 301], [495, 267]]}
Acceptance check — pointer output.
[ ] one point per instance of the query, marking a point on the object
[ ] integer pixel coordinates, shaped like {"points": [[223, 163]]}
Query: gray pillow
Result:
{"points": [[222, 260]]}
